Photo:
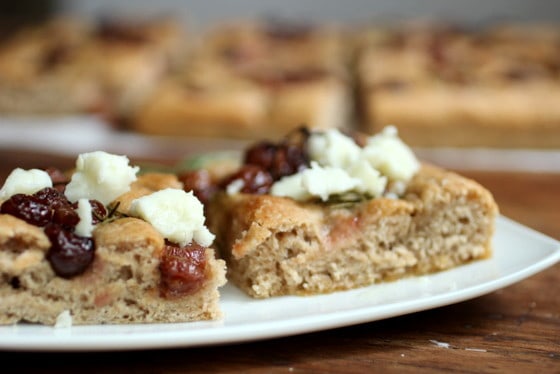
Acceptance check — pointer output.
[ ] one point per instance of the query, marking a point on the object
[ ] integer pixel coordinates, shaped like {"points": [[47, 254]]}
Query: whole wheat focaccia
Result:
{"points": [[443, 85], [129, 58], [38, 73], [320, 213], [104, 247], [250, 80], [70, 66]]}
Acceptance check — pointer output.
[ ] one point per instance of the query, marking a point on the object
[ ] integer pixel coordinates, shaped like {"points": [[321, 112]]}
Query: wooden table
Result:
{"points": [[516, 329]]}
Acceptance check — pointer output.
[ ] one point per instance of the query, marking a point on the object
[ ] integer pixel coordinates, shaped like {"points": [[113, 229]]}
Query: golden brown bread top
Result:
{"points": [[264, 215], [129, 233], [432, 184]]}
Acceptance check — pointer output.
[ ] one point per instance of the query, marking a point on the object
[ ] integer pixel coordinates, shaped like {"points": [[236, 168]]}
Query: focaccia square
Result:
{"points": [[449, 86], [253, 79], [39, 74], [322, 213], [67, 66], [127, 271]]}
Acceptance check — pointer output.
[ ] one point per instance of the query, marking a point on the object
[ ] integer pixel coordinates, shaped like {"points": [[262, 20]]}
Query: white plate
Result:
{"points": [[519, 252]]}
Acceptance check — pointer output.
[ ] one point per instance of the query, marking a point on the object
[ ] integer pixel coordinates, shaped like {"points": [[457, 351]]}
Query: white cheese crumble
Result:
{"points": [[25, 182], [63, 320], [390, 155], [316, 181], [340, 166], [371, 182], [100, 176], [85, 225], [176, 214], [291, 186], [332, 148]]}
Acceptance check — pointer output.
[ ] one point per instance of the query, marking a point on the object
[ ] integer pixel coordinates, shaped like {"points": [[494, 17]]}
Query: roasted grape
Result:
{"points": [[183, 269], [69, 254], [59, 179], [28, 208], [286, 158], [253, 179], [200, 183]]}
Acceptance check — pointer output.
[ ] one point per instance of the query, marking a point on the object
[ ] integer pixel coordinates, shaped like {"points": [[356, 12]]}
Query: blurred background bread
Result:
{"points": [[476, 74]]}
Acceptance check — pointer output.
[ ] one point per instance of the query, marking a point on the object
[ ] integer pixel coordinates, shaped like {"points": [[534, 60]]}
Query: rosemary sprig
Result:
{"points": [[114, 213], [345, 200]]}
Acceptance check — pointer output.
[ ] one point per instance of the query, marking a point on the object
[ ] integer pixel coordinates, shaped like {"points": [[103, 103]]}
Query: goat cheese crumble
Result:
{"points": [[339, 166], [100, 176], [176, 214], [25, 182]]}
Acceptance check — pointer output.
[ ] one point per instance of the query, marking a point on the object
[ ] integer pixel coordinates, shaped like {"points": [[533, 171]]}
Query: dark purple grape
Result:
{"points": [[289, 160], [51, 197], [69, 254], [200, 183], [261, 154], [255, 179], [59, 179], [285, 158], [28, 208], [98, 211], [66, 217]]}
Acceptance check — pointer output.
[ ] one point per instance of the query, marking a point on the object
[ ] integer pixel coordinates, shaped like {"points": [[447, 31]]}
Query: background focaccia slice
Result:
{"points": [[277, 246], [239, 109], [39, 74], [248, 81], [122, 285], [446, 86]]}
